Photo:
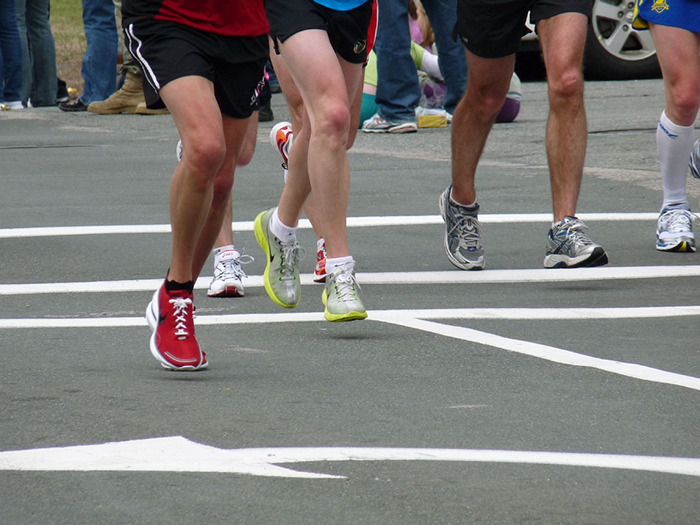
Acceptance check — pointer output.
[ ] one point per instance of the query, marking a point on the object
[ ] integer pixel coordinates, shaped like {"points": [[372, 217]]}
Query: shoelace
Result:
{"points": [[232, 267], [674, 224], [573, 230], [465, 229], [180, 306], [344, 287], [291, 252]]}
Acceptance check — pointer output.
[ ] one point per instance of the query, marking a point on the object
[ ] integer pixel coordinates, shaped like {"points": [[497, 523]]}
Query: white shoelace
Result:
{"points": [[672, 221], [180, 306]]}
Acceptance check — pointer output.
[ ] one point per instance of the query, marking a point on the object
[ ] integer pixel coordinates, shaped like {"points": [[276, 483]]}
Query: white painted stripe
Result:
{"points": [[548, 353], [352, 222], [177, 454], [576, 314], [540, 275]]}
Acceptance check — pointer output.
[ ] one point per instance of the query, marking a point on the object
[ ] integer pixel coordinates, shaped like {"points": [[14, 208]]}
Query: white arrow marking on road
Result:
{"points": [[177, 454], [352, 222]]}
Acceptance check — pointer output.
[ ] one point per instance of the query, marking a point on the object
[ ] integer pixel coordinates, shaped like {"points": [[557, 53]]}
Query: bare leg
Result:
{"points": [[487, 87], [562, 38], [327, 84], [225, 237], [202, 181]]}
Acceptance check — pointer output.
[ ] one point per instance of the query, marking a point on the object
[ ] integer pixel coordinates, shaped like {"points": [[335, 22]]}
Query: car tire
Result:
{"points": [[615, 51]]}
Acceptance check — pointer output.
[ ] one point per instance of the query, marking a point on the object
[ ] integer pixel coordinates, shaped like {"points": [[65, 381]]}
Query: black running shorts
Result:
{"points": [[167, 51], [493, 28], [347, 30]]}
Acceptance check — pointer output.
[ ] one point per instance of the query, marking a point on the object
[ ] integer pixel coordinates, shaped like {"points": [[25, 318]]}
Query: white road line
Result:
{"points": [[575, 314], [177, 454], [412, 319], [539, 275], [548, 353], [352, 222]]}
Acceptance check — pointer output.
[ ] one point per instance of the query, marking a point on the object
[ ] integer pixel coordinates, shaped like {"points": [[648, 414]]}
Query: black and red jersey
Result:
{"points": [[222, 17]]}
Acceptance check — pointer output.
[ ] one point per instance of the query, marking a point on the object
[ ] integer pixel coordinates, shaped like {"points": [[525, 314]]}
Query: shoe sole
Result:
{"points": [[152, 320], [129, 110], [229, 291], [598, 257], [338, 318], [683, 246], [265, 245], [474, 266], [320, 278]]}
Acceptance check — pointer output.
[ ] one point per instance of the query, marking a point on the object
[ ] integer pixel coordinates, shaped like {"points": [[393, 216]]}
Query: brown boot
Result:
{"points": [[123, 101], [142, 109]]}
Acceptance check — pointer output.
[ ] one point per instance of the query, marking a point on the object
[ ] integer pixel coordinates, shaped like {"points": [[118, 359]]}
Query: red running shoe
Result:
{"points": [[173, 343], [320, 272]]}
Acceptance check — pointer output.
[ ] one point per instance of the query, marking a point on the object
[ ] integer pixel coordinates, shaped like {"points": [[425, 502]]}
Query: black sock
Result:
{"points": [[171, 286]]}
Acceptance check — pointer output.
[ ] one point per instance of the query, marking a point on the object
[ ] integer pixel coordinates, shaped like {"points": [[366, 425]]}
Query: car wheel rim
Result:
{"points": [[612, 26]]}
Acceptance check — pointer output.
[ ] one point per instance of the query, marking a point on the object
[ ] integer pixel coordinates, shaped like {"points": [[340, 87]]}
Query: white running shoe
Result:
{"points": [[674, 231], [281, 138], [228, 275]]}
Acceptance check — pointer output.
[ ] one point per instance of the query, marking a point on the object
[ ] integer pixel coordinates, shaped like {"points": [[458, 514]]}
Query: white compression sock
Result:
{"points": [[282, 231], [673, 145]]}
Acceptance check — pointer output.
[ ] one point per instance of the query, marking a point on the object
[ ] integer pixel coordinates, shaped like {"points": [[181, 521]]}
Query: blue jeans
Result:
{"points": [[38, 52], [398, 91], [10, 54], [100, 61]]}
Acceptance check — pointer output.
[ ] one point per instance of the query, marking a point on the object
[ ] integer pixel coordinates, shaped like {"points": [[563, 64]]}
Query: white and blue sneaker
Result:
{"points": [[674, 230], [695, 160], [569, 247], [461, 233]]}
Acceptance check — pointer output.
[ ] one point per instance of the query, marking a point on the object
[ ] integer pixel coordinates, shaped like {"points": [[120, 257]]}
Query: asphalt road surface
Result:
{"points": [[511, 395]]}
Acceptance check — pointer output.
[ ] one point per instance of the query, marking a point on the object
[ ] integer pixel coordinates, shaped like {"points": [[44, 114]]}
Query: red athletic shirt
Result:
{"points": [[223, 17]]}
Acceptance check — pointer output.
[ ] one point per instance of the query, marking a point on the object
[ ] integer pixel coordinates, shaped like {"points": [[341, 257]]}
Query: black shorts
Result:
{"points": [[493, 28], [347, 30], [167, 51]]}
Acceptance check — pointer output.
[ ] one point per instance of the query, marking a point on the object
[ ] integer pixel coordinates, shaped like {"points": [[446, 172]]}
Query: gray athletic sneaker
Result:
{"points": [[674, 230], [342, 296], [281, 275], [695, 160], [569, 247], [462, 233]]}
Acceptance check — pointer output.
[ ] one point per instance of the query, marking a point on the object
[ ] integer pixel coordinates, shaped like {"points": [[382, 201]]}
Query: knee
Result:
{"points": [[567, 88], [484, 100], [334, 122], [684, 98], [223, 184], [205, 157]]}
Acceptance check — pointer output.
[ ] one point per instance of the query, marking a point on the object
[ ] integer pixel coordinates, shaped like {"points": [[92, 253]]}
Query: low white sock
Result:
{"points": [[674, 144], [347, 263], [224, 252], [279, 229]]}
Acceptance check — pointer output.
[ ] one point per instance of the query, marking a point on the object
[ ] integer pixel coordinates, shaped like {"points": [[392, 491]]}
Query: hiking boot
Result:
{"points": [[462, 233], [281, 274], [674, 230], [173, 343], [377, 124], [342, 296], [569, 247], [143, 109], [125, 100]]}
